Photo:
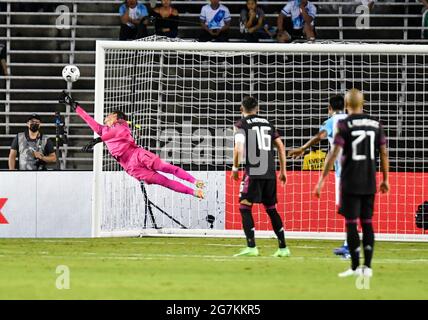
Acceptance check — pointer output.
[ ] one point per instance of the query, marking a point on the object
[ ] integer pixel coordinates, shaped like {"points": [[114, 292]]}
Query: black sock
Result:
{"points": [[248, 225], [368, 241], [277, 225], [353, 242]]}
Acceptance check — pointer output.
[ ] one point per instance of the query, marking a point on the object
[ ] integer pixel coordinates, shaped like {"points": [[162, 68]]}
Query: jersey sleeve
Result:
{"points": [[327, 126], [243, 16], [286, 11], [382, 137], [261, 13], [227, 16], [143, 10], [312, 11], [14, 144], [339, 138], [239, 124], [238, 132], [95, 126], [275, 134], [203, 15], [122, 10]]}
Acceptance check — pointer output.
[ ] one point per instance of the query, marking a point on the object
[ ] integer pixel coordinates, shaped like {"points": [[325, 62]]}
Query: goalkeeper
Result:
{"points": [[137, 162]]}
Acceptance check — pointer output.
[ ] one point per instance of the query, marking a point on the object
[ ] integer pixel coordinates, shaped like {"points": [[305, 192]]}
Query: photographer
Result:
{"points": [[33, 148]]}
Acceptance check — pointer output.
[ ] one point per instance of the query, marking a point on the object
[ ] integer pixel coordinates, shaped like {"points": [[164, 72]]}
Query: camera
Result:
{"points": [[60, 132]]}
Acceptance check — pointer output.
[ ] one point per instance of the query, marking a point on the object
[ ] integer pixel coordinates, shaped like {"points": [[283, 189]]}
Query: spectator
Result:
{"points": [[296, 21], [134, 21], [33, 148], [166, 23], [368, 3], [270, 31], [3, 60], [425, 3], [215, 22], [251, 21]]}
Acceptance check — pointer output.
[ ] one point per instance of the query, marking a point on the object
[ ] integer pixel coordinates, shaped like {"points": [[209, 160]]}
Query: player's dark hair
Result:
{"points": [[249, 103], [337, 103], [120, 114]]}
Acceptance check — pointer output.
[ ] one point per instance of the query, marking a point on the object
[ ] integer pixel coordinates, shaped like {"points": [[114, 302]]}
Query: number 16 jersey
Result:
{"points": [[257, 134]]}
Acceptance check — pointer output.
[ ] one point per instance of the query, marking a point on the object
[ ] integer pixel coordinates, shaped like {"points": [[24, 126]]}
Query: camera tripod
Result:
{"points": [[149, 205]]}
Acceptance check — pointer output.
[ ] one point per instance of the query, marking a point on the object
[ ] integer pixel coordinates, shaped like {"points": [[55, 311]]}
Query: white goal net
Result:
{"points": [[182, 99]]}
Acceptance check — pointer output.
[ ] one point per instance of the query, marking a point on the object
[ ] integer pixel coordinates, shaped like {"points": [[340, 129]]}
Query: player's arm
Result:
{"points": [[238, 152], [227, 20], [12, 159], [90, 146], [328, 166], [308, 19], [67, 99], [384, 168], [50, 158], [49, 151], [279, 145], [280, 21], [124, 18], [296, 153], [4, 67], [384, 161]]}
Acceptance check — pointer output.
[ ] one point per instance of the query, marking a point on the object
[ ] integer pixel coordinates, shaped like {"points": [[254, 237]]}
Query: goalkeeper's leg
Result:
{"points": [[163, 166], [161, 180]]}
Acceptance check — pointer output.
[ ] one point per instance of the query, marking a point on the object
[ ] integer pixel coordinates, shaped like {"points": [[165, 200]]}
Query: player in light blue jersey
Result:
{"points": [[336, 112]]}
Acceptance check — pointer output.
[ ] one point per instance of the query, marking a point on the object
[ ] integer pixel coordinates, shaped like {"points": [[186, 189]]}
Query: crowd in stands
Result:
{"points": [[296, 21]]}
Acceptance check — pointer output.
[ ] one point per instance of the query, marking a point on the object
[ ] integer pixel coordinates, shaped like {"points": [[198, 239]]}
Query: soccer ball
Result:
{"points": [[71, 73]]}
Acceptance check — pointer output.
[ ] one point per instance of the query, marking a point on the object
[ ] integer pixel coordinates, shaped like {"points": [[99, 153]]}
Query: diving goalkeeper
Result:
{"points": [[137, 162]]}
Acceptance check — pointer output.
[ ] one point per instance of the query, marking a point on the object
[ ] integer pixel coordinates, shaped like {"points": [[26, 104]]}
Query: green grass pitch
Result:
{"points": [[203, 268]]}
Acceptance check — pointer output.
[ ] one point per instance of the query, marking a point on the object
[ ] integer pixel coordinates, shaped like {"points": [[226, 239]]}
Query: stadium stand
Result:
{"points": [[37, 51]]}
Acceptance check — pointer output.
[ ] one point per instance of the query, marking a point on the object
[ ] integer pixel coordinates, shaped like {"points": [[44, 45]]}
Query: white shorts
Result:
{"points": [[337, 189]]}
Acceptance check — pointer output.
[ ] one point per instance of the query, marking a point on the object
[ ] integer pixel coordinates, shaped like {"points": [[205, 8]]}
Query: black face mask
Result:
{"points": [[34, 127]]}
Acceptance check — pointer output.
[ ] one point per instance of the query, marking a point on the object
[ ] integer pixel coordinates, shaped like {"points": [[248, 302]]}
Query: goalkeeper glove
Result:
{"points": [[64, 97], [90, 146]]}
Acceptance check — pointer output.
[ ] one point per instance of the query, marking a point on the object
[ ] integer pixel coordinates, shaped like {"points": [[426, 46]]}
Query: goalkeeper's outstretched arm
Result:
{"points": [[67, 99], [90, 146]]}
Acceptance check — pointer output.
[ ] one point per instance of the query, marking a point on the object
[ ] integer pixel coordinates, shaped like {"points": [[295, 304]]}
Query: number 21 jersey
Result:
{"points": [[361, 137]]}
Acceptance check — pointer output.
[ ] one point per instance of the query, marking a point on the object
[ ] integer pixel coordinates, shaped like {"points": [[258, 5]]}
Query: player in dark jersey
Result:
{"points": [[361, 138], [255, 137]]}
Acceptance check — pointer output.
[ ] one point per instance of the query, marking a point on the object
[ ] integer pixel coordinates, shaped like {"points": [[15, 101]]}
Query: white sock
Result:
{"points": [[345, 244]]}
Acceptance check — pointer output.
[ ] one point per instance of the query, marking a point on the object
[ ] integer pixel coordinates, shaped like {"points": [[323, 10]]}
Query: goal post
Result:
{"points": [[183, 97]]}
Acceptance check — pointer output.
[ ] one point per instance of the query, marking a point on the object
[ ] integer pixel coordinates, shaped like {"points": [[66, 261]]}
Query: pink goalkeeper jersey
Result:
{"points": [[117, 138]]}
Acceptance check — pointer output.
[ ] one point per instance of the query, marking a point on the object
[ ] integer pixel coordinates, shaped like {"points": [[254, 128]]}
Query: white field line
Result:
{"points": [[242, 245], [216, 244], [240, 259], [59, 240], [136, 257]]}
